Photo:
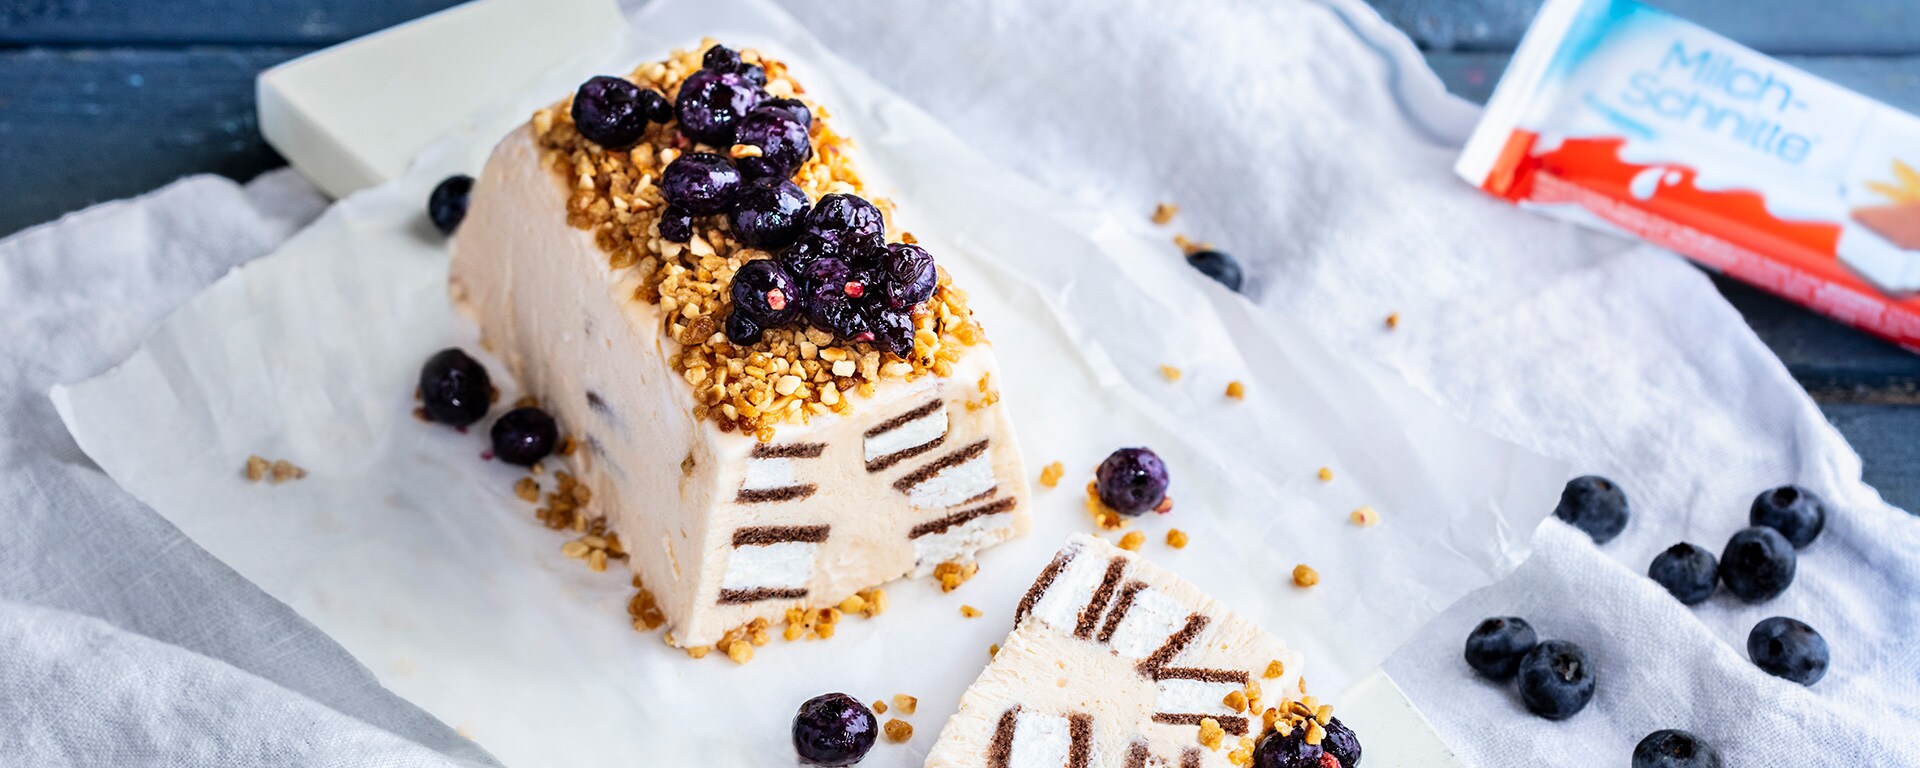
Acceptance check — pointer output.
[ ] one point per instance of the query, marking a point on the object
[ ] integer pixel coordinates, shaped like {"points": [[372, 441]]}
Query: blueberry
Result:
{"points": [[524, 435], [1797, 513], [1674, 749], [910, 275], [609, 111], [1341, 742], [1495, 647], [782, 140], [1556, 681], [793, 108], [827, 272], [849, 227], [1757, 564], [447, 205], [1595, 505], [769, 213], [1131, 481], [654, 106], [742, 330], [700, 183], [454, 388], [1218, 266], [892, 330], [1788, 648], [766, 293], [1288, 751], [676, 224], [754, 74], [721, 59], [1688, 572], [711, 103], [830, 310], [804, 252], [833, 729]]}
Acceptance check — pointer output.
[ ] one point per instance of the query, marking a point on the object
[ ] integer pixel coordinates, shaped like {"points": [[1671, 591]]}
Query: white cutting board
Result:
{"points": [[346, 120]]}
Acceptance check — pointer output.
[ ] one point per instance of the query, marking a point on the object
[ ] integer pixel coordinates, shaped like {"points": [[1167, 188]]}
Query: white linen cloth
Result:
{"points": [[1318, 152]]}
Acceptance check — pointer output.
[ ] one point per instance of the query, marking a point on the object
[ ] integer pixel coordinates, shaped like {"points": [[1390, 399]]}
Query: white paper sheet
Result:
{"points": [[412, 552]]}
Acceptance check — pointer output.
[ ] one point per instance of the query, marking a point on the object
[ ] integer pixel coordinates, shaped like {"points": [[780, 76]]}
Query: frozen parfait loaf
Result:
{"points": [[779, 401], [1114, 661]]}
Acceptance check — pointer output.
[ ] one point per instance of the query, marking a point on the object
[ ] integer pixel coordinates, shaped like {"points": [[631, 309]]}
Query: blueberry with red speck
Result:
{"points": [[447, 205], [769, 213], [1289, 750], [766, 292], [1496, 646], [1788, 649], [1556, 680], [1131, 481], [676, 224], [524, 435], [1341, 742], [1689, 572], [1797, 513], [911, 277], [611, 112], [1758, 564], [742, 330], [783, 143], [1674, 748], [793, 108], [1218, 266], [1595, 505], [710, 105], [834, 730], [849, 227], [700, 183], [454, 388], [830, 309]]}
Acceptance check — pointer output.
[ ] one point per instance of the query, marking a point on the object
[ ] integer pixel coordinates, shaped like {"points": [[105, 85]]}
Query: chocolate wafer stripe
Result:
{"points": [[762, 535], [1041, 584], [883, 462], [1152, 665], [901, 420], [1090, 615], [1079, 739], [1119, 612], [784, 493], [1233, 724], [1190, 758], [788, 451], [920, 475], [942, 525], [1234, 676], [757, 594], [1136, 755], [1001, 748]]}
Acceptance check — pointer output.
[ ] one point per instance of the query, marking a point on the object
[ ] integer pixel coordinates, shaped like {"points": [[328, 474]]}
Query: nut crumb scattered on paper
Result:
{"points": [[1164, 213]]}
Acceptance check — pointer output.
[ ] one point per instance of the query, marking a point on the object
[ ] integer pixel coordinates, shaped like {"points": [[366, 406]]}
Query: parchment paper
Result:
{"points": [[412, 551]]}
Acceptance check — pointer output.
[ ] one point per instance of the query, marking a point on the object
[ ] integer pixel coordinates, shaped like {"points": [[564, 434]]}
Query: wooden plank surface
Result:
{"points": [[1823, 27], [96, 23]]}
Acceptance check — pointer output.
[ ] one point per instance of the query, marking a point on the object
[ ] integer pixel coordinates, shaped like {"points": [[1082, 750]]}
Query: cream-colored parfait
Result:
{"points": [[765, 441], [1114, 661]]}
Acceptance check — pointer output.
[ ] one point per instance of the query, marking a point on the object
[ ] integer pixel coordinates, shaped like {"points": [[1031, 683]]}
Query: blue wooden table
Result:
{"points": [[101, 99]]}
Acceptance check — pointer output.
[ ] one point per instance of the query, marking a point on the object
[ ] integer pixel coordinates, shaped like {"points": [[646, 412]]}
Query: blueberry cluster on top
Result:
{"points": [[833, 268]]}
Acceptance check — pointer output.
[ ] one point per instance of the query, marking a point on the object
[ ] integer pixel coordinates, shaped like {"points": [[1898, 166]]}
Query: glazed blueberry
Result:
{"points": [[1688, 572], [766, 293], [524, 435], [1341, 742], [721, 59], [454, 388], [1788, 648], [1595, 505], [1495, 647], [676, 224], [804, 251], [1797, 513], [711, 103], [1556, 682], [1218, 266], [655, 106], [790, 107], [742, 330], [849, 227], [1757, 564], [769, 213], [754, 74], [833, 729], [609, 111], [1673, 748], [448, 203], [700, 183], [1289, 751], [830, 310], [892, 330], [910, 275], [782, 140], [1131, 481]]}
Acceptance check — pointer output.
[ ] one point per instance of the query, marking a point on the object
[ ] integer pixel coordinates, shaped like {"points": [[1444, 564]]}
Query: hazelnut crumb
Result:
{"points": [[1176, 538], [1393, 321], [969, 611], [879, 706], [1211, 733], [283, 470], [1170, 373], [1164, 213], [567, 446], [1236, 390], [906, 704], [898, 731], [1326, 475], [993, 650], [951, 574], [1274, 669], [421, 414], [1304, 576], [1051, 474], [1364, 517], [528, 489], [1236, 701], [699, 651], [1132, 541], [256, 468]]}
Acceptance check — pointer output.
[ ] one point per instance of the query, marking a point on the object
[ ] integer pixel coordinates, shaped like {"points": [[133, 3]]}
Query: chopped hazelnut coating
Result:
{"points": [[1364, 517], [256, 468], [969, 611], [1170, 373], [1050, 475], [1236, 390], [1211, 734], [1326, 475], [898, 731], [791, 374], [879, 706], [1164, 213], [1304, 576], [952, 575], [906, 704], [1236, 701], [1132, 541], [1103, 516], [1176, 538], [528, 489], [1393, 321], [993, 650], [1274, 669]]}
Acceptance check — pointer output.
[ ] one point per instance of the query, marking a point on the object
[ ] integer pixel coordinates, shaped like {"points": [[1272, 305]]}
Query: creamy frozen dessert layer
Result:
{"points": [[742, 480], [1114, 661]]}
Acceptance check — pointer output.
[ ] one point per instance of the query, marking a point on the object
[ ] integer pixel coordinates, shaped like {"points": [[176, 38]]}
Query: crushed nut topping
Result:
{"points": [[1326, 475], [1107, 518], [614, 196], [276, 471], [1393, 321], [1236, 390], [1211, 734], [906, 704], [1050, 475], [1164, 213], [1170, 373], [969, 611], [1176, 538], [1304, 576], [898, 731], [951, 575], [879, 707], [1132, 541], [1364, 517]]}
